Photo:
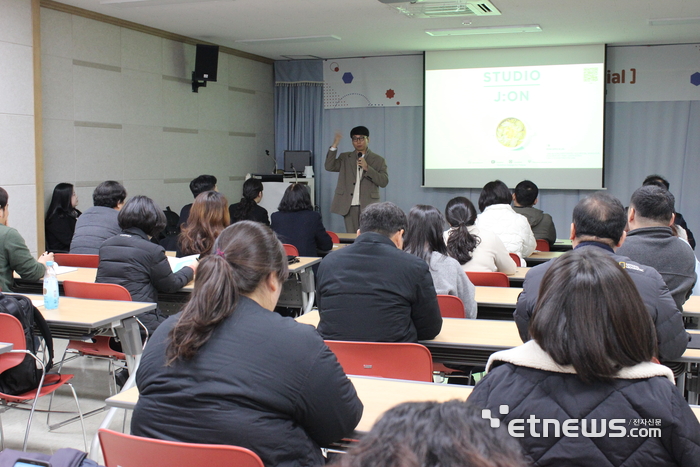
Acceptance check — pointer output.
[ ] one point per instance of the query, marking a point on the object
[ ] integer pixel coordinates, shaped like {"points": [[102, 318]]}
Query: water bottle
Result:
{"points": [[50, 287]]}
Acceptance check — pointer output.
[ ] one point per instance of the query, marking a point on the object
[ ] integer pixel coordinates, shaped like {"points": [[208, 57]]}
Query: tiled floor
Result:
{"points": [[91, 383]]}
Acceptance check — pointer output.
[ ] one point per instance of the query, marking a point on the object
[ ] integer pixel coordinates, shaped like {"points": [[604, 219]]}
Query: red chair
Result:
{"points": [[120, 449], [450, 306], [488, 279], [542, 245], [290, 250], [334, 236], [77, 261], [516, 259], [100, 347], [11, 331], [396, 360]]}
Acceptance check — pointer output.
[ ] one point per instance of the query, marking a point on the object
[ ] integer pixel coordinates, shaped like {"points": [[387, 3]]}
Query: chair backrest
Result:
{"points": [[77, 261], [516, 259], [542, 245], [488, 279], [291, 250], [334, 236], [450, 306], [96, 291], [124, 450], [397, 360], [11, 332]]}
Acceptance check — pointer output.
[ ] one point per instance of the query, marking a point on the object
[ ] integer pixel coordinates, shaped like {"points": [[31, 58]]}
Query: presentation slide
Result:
{"points": [[534, 116]]}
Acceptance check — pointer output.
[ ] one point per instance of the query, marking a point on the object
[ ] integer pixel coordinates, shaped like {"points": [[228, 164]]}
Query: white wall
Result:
{"points": [[118, 104], [17, 149]]}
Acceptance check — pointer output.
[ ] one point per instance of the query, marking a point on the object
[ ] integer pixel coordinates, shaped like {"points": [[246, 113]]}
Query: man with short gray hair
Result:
{"points": [[651, 241], [372, 290]]}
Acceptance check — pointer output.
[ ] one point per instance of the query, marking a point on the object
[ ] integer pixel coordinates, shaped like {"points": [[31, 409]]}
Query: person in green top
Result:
{"points": [[14, 254]]}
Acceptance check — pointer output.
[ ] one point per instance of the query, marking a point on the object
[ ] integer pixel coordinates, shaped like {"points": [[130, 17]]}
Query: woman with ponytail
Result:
{"points": [[476, 249], [247, 208], [229, 370]]}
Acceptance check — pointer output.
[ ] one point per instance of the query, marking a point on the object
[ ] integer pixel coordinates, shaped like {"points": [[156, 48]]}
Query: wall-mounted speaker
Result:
{"points": [[206, 63]]}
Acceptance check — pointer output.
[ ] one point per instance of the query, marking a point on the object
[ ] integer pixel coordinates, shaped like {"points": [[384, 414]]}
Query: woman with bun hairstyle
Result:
{"points": [[227, 369], [476, 249]]}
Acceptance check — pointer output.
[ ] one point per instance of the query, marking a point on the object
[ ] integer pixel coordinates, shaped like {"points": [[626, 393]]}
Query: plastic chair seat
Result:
{"points": [[99, 348], [450, 306], [120, 449], [52, 381], [488, 279]]}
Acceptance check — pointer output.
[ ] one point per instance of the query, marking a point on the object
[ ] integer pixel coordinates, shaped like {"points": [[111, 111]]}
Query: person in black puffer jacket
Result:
{"points": [[132, 261], [589, 376], [229, 370]]}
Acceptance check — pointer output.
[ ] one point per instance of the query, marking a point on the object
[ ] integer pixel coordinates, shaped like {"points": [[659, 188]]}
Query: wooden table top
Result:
{"points": [[347, 237], [519, 275], [460, 333], [89, 274], [544, 255], [692, 306], [377, 395], [501, 297], [90, 314]]}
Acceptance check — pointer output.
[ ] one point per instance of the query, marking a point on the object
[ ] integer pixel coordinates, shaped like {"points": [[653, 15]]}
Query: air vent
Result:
{"points": [[427, 9]]}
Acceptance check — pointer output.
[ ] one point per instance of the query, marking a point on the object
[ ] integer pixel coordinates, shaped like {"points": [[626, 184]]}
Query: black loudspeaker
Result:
{"points": [[206, 62]]}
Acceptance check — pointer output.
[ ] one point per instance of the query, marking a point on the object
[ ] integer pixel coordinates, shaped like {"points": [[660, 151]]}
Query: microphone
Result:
{"points": [[296, 179], [359, 156]]}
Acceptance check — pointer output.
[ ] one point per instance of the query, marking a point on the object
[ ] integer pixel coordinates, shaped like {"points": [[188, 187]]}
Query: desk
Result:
{"points": [[517, 279], [461, 341], [692, 306], [347, 237], [377, 395], [298, 291], [562, 244], [539, 257]]}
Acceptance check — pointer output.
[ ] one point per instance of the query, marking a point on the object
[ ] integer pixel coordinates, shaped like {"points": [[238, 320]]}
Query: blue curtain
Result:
{"points": [[298, 108]]}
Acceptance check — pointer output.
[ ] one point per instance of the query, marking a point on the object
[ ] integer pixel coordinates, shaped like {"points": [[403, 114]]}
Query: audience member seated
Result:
{"points": [[592, 361], [208, 218], [598, 225], [650, 241], [498, 216], [373, 291], [99, 222], [475, 249], [14, 254], [298, 224], [197, 186], [525, 197], [228, 370], [131, 260], [247, 208], [424, 239], [60, 218], [679, 220], [430, 434]]}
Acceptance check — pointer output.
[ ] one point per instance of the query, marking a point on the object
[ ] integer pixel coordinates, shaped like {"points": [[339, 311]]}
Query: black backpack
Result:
{"points": [[25, 376]]}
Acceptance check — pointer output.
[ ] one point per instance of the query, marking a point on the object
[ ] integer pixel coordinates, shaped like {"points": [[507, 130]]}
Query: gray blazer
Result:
{"points": [[376, 176], [93, 227]]}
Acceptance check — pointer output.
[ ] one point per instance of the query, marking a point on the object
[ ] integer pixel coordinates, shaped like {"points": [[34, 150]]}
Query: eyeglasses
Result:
{"points": [[357, 139]]}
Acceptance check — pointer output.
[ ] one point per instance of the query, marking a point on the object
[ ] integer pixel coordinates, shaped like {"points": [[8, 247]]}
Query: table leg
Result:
{"points": [[130, 337]]}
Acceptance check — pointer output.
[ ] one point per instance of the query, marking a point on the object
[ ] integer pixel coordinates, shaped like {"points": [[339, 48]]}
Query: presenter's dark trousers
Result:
{"points": [[352, 219]]}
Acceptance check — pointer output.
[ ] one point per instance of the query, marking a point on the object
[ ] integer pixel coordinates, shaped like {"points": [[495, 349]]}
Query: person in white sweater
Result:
{"points": [[498, 216], [424, 239], [475, 249]]}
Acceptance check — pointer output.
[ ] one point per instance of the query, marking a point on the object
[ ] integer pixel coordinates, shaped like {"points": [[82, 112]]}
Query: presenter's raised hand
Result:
{"points": [[338, 137]]}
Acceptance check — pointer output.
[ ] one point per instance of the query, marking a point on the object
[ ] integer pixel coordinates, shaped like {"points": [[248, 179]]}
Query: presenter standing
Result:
{"points": [[362, 172]]}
